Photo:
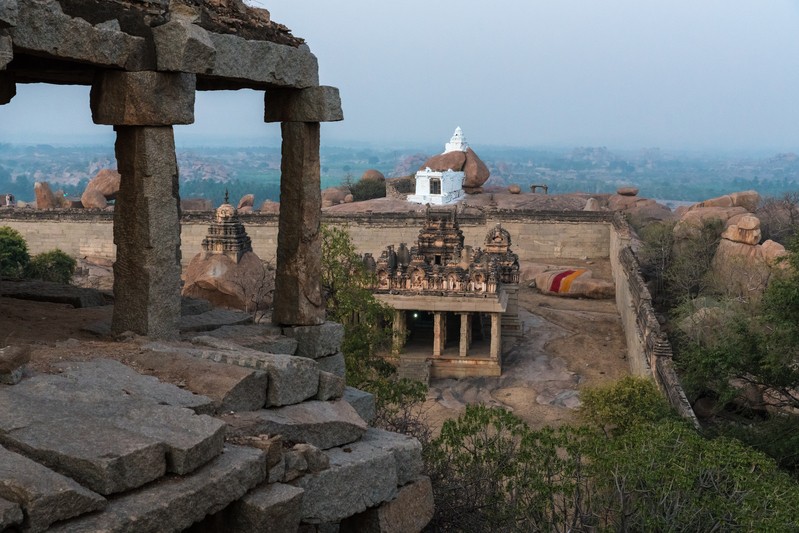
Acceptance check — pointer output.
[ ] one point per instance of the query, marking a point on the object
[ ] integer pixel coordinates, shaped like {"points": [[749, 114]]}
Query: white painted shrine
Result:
{"points": [[441, 187]]}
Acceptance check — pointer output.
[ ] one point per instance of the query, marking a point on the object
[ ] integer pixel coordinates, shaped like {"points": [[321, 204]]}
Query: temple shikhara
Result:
{"points": [[452, 302]]}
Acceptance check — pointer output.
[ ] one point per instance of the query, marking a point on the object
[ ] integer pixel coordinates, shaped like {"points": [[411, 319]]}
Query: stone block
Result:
{"points": [[181, 46], [6, 51], [232, 388], [264, 62], [291, 379], [360, 476], [409, 512], [42, 28], [407, 452], [274, 507], [335, 364], [8, 88], [8, 13], [262, 337], [323, 424], [331, 386], [213, 319], [144, 98], [47, 291], [362, 402], [10, 514], [44, 495], [174, 503], [314, 104], [314, 342]]}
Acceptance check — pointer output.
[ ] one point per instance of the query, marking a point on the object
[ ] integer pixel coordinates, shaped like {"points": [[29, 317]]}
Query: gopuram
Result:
{"points": [[452, 303], [144, 60]]}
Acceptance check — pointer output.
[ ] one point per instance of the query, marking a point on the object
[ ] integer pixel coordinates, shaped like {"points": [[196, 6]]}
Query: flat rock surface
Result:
{"points": [[214, 319], [10, 514], [174, 503], [47, 291], [274, 507]]}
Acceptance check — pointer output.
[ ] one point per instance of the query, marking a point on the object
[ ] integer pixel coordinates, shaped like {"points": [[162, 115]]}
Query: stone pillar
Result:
{"points": [[298, 293], [142, 107], [496, 336], [465, 334], [438, 333], [400, 331]]}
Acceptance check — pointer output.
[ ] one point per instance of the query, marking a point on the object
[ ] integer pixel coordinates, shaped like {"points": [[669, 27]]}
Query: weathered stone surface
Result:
{"points": [[181, 46], [447, 161], [313, 104], [314, 457], [146, 232], [291, 379], [245, 284], [214, 319], [106, 182], [295, 465], [360, 476], [44, 495], [143, 98], [692, 220], [331, 386], [194, 306], [746, 230], [274, 507], [627, 191], [175, 503], [10, 514], [748, 200], [514, 189], [232, 388], [93, 199], [314, 342], [13, 377], [48, 291], [45, 199], [248, 200], [323, 424], [43, 28], [262, 337], [14, 357], [409, 512], [362, 402], [334, 195], [270, 207], [740, 269], [372, 175], [475, 172], [6, 51], [264, 62], [407, 452], [8, 13], [772, 253], [335, 364], [8, 89], [298, 292]]}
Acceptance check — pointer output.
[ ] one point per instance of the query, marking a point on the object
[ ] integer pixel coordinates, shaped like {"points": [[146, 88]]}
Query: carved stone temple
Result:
{"points": [[144, 61], [452, 303]]}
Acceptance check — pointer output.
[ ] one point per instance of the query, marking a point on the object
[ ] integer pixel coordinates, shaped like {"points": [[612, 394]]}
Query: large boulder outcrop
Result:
{"points": [[749, 200], [225, 283], [372, 175], [106, 182], [476, 172], [45, 199]]}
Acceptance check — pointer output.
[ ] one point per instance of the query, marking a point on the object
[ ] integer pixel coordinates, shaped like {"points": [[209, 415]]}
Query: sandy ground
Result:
{"points": [[568, 344]]}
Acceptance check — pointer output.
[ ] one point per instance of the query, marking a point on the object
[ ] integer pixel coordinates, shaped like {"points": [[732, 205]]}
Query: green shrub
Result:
{"points": [[366, 190], [619, 406], [54, 265], [14, 255]]}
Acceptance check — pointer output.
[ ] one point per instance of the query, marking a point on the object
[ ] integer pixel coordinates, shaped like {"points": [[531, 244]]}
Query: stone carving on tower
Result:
{"points": [[227, 235]]}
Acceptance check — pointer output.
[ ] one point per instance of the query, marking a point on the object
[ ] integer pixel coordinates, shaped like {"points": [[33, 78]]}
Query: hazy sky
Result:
{"points": [[675, 74]]}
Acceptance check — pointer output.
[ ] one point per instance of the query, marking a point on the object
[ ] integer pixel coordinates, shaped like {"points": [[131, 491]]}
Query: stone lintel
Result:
{"points": [[8, 13], [456, 304], [8, 88], [264, 62], [144, 98], [181, 46], [6, 51], [314, 104]]}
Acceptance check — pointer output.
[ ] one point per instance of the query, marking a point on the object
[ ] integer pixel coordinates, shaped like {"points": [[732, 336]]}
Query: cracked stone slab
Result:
{"points": [[411, 510], [44, 495], [213, 319], [274, 507], [360, 476], [323, 424], [317, 341], [174, 503], [47, 291], [407, 452], [262, 337]]}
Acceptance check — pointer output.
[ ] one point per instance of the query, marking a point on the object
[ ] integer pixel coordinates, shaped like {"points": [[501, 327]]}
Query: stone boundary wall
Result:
{"points": [[648, 348], [535, 235]]}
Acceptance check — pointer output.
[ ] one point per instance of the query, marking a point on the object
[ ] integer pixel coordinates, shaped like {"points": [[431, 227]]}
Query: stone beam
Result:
{"points": [[264, 62], [147, 233], [8, 88], [8, 13], [181, 46], [298, 293], [43, 28], [6, 51], [144, 98], [314, 104]]}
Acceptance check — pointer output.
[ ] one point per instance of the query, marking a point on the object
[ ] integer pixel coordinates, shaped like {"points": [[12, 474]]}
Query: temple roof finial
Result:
{"points": [[227, 197]]}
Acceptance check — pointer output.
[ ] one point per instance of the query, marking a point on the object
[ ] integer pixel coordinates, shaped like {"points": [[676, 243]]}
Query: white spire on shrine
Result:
{"points": [[457, 143]]}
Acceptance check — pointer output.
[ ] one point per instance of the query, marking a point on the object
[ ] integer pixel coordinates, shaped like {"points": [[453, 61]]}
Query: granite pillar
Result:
{"points": [[496, 336], [400, 330], [298, 291], [147, 233], [465, 334], [438, 333]]}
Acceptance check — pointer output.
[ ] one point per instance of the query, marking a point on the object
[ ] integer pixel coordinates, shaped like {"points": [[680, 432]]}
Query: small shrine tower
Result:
{"points": [[441, 187]]}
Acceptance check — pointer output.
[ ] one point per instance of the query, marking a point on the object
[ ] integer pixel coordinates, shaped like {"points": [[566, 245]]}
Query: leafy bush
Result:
{"points": [[366, 190], [620, 406], [14, 257], [54, 265]]}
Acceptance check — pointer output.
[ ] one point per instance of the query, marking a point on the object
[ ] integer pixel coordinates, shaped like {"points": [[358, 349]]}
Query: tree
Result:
{"points": [[14, 257], [54, 265]]}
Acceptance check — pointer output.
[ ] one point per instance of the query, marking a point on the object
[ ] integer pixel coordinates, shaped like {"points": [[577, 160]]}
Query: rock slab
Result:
{"points": [[274, 507]]}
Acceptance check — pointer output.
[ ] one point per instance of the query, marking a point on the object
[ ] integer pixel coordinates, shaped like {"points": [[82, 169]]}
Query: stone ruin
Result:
{"points": [[263, 435]]}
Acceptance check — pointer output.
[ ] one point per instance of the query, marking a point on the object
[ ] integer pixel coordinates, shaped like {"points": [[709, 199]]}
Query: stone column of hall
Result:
{"points": [[298, 294], [400, 331], [438, 333], [143, 107], [496, 336], [465, 334]]}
